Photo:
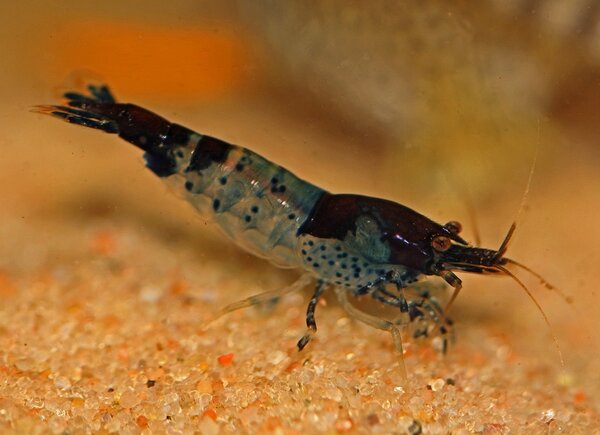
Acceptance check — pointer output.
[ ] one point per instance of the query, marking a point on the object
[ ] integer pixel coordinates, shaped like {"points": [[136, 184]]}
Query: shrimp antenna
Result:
{"points": [[539, 307], [504, 246], [529, 180], [544, 282], [505, 271]]}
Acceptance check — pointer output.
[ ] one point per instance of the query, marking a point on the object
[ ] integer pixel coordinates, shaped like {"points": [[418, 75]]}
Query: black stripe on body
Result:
{"points": [[161, 159], [334, 216], [209, 150]]}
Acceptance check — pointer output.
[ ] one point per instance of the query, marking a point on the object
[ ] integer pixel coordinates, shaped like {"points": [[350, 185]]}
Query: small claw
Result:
{"points": [[305, 339]]}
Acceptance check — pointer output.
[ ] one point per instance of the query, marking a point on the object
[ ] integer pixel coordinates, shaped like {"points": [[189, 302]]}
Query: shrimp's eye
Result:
{"points": [[454, 227], [441, 243]]}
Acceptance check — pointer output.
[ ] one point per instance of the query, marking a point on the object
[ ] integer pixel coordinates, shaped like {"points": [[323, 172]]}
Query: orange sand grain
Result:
{"points": [[210, 413], [142, 422], [226, 360], [204, 386]]}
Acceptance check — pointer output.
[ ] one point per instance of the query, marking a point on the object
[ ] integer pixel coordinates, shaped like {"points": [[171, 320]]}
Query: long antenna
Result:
{"points": [[540, 309], [504, 246], [530, 178], [505, 271], [567, 299]]}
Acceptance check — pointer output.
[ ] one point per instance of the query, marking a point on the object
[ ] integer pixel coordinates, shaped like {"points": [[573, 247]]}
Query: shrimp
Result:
{"points": [[358, 245]]}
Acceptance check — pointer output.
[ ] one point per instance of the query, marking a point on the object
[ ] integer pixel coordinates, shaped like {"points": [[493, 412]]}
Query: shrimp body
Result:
{"points": [[259, 205], [357, 244]]}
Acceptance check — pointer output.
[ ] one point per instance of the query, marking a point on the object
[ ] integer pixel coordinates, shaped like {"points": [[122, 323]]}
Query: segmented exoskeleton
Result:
{"points": [[356, 244]]}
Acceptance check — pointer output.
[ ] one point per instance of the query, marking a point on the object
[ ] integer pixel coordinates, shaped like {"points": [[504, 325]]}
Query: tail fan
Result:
{"points": [[85, 115]]}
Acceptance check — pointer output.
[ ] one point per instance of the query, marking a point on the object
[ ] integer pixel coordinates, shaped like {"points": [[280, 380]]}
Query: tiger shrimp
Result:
{"points": [[358, 245]]}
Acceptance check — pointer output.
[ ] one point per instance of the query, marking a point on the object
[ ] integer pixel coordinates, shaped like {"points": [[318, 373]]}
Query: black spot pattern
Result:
{"points": [[276, 187], [348, 269]]}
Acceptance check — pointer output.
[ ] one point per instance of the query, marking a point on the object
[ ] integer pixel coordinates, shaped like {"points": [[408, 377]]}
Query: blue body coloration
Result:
{"points": [[258, 204]]}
